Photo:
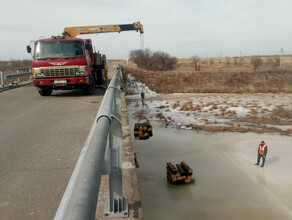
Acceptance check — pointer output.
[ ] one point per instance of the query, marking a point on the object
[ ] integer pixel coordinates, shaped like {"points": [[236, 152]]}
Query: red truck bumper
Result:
{"points": [[63, 83]]}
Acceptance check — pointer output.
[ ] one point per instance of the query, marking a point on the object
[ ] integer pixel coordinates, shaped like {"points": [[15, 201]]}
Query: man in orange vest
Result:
{"points": [[262, 152]]}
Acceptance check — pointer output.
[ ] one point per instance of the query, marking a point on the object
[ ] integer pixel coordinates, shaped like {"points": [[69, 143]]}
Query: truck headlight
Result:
{"points": [[83, 68], [36, 70], [40, 75]]}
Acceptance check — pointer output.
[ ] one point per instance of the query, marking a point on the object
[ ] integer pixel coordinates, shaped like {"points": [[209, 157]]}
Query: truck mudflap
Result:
{"points": [[62, 82]]}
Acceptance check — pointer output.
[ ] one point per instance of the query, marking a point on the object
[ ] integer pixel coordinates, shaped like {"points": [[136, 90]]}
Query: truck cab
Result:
{"points": [[66, 63]]}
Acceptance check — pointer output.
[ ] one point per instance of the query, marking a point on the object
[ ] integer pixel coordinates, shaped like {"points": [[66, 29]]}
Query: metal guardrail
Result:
{"points": [[13, 76], [80, 198]]}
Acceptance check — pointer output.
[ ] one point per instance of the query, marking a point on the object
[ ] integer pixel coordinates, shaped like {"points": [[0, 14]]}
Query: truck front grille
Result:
{"points": [[59, 72]]}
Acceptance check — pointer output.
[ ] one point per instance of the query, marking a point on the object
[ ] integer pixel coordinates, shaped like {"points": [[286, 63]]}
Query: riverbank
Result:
{"points": [[276, 81], [215, 112], [189, 127]]}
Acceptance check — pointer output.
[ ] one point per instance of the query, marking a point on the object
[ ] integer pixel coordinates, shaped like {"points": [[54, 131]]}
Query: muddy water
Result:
{"points": [[228, 184]]}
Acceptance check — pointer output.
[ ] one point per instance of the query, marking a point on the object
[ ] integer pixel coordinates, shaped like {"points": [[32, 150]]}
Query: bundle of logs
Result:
{"points": [[143, 131], [181, 173]]}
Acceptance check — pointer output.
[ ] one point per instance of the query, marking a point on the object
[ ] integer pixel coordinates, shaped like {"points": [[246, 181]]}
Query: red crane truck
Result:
{"points": [[66, 62]]}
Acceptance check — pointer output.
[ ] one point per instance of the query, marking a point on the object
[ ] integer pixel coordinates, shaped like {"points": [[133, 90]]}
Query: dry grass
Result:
{"points": [[253, 111], [206, 120], [264, 120], [175, 105], [186, 106], [251, 123], [238, 128], [10, 66], [219, 77], [281, 112], [139, 114]]}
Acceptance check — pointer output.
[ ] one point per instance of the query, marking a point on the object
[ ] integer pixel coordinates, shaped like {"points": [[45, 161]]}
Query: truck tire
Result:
{"points": [[45, 91]]}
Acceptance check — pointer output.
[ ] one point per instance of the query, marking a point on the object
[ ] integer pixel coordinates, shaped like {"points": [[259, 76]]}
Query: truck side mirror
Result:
{"points": [[28, 49], [87, 46]]}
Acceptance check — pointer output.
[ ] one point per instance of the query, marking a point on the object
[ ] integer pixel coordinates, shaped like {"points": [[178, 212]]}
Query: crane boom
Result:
{"points": [[75, 31]]}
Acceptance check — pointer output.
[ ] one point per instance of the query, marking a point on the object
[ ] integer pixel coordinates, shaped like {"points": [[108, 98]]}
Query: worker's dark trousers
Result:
{"points": [[259, 157]]}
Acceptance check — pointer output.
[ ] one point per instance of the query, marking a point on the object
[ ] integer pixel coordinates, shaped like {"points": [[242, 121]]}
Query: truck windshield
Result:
{"points": [[58, 49]]}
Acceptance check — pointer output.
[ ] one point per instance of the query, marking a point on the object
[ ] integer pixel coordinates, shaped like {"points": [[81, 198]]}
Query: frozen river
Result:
{"points": [[228, 184]]}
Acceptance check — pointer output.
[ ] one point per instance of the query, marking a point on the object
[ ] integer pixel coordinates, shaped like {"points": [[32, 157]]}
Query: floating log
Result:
{"points": [[191, 180], [186, 168], [181, 178], [181, 173], [171, 176], [181, 170], [172, 168], [172, 173]]}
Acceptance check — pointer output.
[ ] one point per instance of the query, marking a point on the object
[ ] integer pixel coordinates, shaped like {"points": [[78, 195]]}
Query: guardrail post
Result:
{"points": [[2, 78], [18, 79], [30, 70]]}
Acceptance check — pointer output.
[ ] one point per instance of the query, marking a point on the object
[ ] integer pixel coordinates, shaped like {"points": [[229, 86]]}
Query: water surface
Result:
{"points": [[228, 184]]}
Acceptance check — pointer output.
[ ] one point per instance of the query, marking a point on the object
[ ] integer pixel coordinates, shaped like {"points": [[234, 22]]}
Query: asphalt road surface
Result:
{"points": [[40, 141]]}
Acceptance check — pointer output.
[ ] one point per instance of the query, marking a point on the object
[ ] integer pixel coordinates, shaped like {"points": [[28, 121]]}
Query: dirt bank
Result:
{"points": [[277, 81]]}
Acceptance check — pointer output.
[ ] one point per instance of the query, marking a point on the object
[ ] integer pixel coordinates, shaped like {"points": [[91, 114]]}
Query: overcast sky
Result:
{"points": [[182, 28]]}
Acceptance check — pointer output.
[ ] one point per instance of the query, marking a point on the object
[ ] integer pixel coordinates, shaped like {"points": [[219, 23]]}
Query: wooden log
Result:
{"points": [[181, 178], [181, 170], [144, 126], [137, 126], [170, 173], [172, 168], [171, 178], [186, 168], [169, 170], [150, 133], [191, 180]]}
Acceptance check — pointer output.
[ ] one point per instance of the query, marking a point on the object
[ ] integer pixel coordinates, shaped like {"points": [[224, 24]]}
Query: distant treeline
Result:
{"points": [[13, 64]]}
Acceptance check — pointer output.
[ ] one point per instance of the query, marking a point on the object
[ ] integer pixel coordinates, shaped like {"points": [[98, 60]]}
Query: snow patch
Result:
{"points": [[136, 88]]}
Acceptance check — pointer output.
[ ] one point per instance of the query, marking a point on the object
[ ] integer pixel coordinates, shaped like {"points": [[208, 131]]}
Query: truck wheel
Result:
{"points": [[45, 91]]}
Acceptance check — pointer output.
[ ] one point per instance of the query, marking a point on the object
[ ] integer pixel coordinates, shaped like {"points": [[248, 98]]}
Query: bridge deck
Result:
{"points": [[40, 141]]}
